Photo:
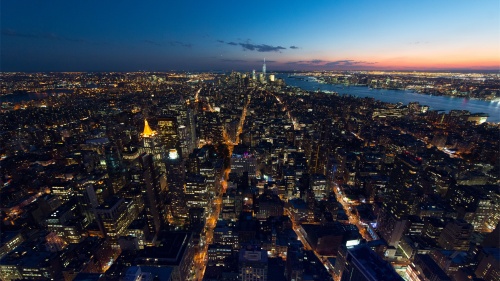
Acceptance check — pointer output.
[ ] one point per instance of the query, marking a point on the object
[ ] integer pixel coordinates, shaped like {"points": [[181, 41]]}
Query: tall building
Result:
{"points": [[391, 225], [404, 182], [114, 216], [264, 67], [360, 263], [489, 264], [456, 236], [114, 162], [191, 130], [68, 222], [196, 191], [425, 268], [318, 186], [151, 145], [243, 161], [477, 205], [151, 193], [175, 183], [253, 265], [184, 141], [168, 132], [270, 205], [90, 193]]}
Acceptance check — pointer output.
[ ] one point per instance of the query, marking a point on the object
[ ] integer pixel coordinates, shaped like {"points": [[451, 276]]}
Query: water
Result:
{"points": [[393, 96], [405, 96], [20, 97]]}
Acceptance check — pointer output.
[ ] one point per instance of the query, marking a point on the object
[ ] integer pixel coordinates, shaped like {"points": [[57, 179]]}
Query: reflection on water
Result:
{"points": [[405, 96]]}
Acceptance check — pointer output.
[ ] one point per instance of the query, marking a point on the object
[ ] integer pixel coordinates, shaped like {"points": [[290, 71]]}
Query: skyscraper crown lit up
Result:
{"points": [[148, 132]]}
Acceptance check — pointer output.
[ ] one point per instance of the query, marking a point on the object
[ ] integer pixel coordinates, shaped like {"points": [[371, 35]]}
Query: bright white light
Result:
{"points": [[350, 243], [172, 154]]}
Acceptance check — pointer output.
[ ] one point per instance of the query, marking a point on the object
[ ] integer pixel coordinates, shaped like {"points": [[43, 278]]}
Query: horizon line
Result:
{"points": [[455, 70]]}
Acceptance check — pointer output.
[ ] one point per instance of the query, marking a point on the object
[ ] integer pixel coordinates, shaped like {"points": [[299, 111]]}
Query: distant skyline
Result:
{"points": [[233, 35]]}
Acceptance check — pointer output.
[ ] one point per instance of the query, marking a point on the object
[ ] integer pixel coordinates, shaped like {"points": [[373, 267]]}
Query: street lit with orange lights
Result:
{"points": [[200, 259], [296, 228], [353, 216]]}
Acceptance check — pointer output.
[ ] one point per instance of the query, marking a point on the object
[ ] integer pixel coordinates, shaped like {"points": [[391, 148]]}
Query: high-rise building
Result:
{"points": [[168, 136], [175, 184], [114, 162], [391, 225], [243, 161], [360, 263], [218, 254], [151, 145], [90, 193], [67, 222], [404, 182], [184, 141], [477, 205], [264, 67], [151, 193], [196, 191], [196, 218], [489, 265], [425, 268], [456, 236], [253, 265], [318, 186], [270, 205], [114, 216]]}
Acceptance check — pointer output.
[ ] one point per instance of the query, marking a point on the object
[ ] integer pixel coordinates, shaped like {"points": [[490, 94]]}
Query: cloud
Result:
{"points": [[261, 47], [169, 43], [152, 42], [179, 43], [48, 36], [419, 42], [232, 60], [347, 63], [13, 33], [248, 46], [266, 61], [307, 62], [342, 63]]}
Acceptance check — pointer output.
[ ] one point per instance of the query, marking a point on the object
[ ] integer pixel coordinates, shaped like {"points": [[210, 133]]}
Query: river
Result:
{"points": [[405, 96], [20, 97]]}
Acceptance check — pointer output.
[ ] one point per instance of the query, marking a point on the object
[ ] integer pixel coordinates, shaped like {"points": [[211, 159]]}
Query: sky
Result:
{"points": [[228, 35]]}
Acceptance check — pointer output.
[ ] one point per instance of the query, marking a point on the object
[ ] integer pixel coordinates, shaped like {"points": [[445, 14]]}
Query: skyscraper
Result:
{"points": [[151, 144], [264, 67], [253, 264], [151, 193], [168, 132], [360, 263], [175, 182]]}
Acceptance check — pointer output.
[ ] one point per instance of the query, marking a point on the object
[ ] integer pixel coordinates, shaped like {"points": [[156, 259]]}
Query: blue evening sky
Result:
{"points": [[227, 35]]}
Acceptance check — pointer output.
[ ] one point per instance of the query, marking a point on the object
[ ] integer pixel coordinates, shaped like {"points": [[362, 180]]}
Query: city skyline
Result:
{"points": [[161, 36]]}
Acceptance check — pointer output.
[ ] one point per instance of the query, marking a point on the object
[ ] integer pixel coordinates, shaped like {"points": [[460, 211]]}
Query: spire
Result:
{"points": [[147, 130]]}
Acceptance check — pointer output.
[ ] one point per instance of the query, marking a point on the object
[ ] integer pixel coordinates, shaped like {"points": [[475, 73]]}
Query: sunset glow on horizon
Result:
{"points": [[292, 35]]}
